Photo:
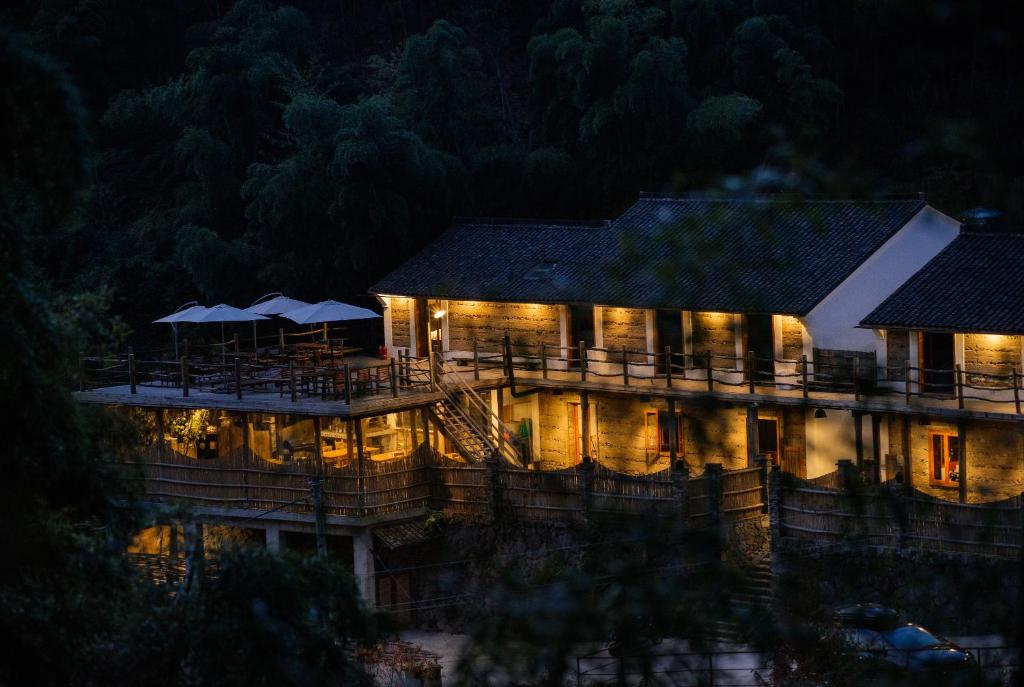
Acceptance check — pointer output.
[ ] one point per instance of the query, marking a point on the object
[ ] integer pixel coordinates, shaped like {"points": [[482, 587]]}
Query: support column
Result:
{"points": [[425, 421], [858, 439], [876, 447], [317, 487], [363, 566], [673, 449], [961, 432], [751, 434], [908, 472], [361, 467], [273, 538], [585, 425]]}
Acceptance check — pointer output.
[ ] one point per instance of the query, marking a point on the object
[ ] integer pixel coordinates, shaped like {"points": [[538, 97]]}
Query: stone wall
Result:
{"points": [[897, 352], [526, 323], [991, 354], [995, 458], [624, 327], [715, 332], [792, 337], [948, 594], [401, 316]]}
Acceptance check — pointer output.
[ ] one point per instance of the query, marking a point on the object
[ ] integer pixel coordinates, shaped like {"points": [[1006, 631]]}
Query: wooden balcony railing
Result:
{"points": [[425, 479], [296, 376]]}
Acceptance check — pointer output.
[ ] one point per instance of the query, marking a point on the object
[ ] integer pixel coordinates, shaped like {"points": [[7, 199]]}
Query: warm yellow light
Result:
{"points": [[439, 314]]}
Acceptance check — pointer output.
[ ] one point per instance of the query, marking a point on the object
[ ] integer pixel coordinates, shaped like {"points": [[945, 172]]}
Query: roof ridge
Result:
{"points": [[530, 222]]}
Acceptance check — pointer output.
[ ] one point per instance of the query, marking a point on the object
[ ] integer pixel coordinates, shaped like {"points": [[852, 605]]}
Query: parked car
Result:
{"points": [[895, 647]]}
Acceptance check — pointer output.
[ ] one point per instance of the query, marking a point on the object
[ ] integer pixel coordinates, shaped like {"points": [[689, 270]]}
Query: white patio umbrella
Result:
{"points": [[329, 311], [223, 313], [274, 303], [181, 314]]}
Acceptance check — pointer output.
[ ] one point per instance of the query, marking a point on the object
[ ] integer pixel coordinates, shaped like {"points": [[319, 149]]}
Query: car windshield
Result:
{"points": [[911, 637]]}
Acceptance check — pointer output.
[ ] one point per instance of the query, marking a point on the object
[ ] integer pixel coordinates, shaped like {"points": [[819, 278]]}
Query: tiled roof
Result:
{"points": [[973, 285], [403, 534], [729, 255]]}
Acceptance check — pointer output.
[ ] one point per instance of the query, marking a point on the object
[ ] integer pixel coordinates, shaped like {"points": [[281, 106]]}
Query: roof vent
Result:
{"points": [[983, 221]]}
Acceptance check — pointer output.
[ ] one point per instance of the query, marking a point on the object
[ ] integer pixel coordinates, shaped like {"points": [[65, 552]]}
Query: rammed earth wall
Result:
{"points": [[792, 337], [991, 354], [995, 458], [526, 323], [715, 332], [401, 316]]}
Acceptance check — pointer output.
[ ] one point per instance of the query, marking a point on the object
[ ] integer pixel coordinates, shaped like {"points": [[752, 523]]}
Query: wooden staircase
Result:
{"points": [[468, 421]]}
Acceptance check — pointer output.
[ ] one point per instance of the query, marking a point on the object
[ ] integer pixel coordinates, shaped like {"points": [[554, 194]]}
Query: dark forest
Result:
{"points": [[236, 148]]}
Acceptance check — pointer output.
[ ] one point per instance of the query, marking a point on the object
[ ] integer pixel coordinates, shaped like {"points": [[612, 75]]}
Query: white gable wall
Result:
{"points": [[832, 323]]}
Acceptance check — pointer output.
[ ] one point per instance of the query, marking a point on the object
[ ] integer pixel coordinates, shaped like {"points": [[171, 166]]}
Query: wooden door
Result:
{"points": [[768, 438], [936, 358]]}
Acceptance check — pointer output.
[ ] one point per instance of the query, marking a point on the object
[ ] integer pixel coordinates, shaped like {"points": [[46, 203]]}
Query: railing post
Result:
{"points": [[959, 385], [543, 360], [713, 471], [906, 382], [586, 469], [347, 371], [184, 376], [774, 507], [1016, 389], [668, 366], [625, 367], [583, 361], [432, 369], [680, 491], [711, 371], [493, 487], [131, 372], [751, 370], [803, 375], [291, 379], [856, 377], [846, 474], [394, 378], [476, 361], [280, 340], [238, 377]]}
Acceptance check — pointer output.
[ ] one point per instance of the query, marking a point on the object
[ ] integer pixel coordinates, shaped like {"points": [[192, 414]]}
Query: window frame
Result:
{"points": [[944, 481], [659, 417]]}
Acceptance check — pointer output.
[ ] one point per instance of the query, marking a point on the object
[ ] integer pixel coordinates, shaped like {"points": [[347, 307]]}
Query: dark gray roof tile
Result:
{"points": [[769, 255], [973, 285]]}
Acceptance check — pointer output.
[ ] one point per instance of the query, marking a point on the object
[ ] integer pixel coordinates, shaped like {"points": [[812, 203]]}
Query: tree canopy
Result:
{"points": [[255, 145]]}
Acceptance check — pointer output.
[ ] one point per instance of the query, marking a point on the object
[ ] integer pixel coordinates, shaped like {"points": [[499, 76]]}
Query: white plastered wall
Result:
{"points": [[832, 323]]}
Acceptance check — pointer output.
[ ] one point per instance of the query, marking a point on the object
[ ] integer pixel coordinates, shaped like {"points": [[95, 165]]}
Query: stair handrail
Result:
{"points": [[445, 373], [454, 407]]}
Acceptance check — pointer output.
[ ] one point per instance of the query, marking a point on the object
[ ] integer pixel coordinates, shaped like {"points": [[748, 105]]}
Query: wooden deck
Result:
{"points": [[256, 401]]}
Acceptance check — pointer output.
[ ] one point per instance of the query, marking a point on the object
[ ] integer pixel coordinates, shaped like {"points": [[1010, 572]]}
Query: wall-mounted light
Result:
{"points": [[819, 414], [438, 314]]}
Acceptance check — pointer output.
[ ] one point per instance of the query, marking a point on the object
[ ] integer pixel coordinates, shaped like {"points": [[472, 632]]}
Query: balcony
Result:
{"points": [[852, 381]]}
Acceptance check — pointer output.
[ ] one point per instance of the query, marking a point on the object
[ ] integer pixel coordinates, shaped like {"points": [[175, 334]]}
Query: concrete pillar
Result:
{"points": [[363, 566], [273, 538]]}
